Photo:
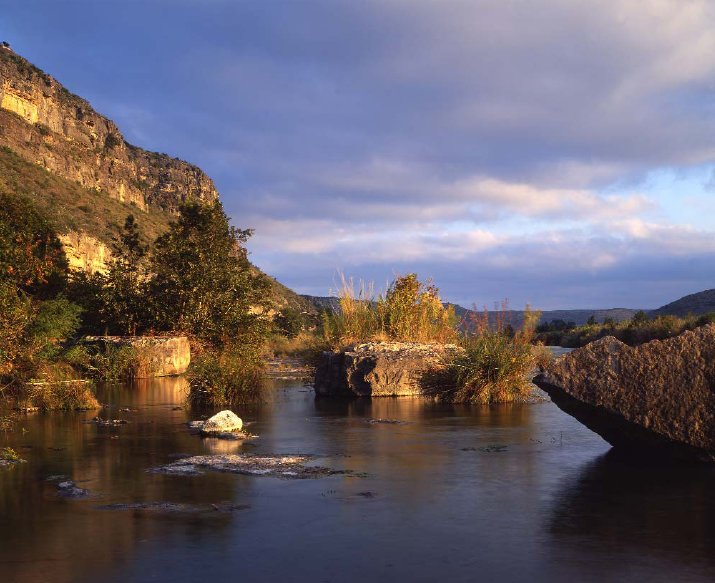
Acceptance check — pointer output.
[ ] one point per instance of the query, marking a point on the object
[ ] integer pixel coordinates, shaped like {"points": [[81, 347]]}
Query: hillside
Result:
{"points": [[695, 304], [75, 165]]}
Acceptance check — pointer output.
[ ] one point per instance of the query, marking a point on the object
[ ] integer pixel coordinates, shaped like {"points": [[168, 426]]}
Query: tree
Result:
{"points": [[592, 320], [203, 282], [124, 297], [289, 322], [640, 318]]}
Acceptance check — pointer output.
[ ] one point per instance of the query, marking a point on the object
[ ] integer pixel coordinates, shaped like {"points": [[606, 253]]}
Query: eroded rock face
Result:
{"points": [[378, 369], [658, 397], [161, 356], [223, 422], [49, 126]]}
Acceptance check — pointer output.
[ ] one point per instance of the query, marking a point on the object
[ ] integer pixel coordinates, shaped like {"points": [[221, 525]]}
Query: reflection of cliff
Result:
{"points": [[43, 538], [619, 504]]}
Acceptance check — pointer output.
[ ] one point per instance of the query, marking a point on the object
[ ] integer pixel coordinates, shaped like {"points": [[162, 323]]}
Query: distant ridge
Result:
{"points": [[696, 304], [578, 317]]}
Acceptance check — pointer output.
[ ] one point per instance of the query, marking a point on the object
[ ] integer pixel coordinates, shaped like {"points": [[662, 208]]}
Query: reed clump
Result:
{"points": [[495, 365], [232, 375]]}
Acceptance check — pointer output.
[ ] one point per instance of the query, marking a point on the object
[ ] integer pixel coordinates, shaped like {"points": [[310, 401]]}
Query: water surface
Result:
{"points": [[500, 493]]}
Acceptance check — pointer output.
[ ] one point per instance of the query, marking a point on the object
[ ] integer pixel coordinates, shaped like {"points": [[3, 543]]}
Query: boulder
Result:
{"points": [[378, 369], [657, 398], [223, 422]]}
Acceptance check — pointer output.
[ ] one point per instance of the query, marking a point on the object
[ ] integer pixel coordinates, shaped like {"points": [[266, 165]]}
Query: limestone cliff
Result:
{"points": [[47, 125]]}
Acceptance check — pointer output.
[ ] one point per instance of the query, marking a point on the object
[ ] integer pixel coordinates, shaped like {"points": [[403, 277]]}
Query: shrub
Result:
{"points": [[493, 368], [226, 377], [56, 388], [409, 311]]}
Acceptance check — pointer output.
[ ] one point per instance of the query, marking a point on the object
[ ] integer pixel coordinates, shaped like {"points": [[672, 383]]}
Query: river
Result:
{"points": [[489, 493]]}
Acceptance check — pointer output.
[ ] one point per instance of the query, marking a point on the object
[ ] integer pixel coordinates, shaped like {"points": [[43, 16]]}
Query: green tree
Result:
{"points": [[124, 295], [640, 318], [288, 322], [591, 320], [203, 282]]}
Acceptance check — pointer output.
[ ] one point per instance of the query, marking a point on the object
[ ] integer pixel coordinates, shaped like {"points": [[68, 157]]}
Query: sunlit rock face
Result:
{"points": [[157, 356], [46, 124], [85, 252], [656, 398], [378, 369]]}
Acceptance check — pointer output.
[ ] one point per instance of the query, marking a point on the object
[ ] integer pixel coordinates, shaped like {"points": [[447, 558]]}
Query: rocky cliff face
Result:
{"points": [[47, 125], [657, 397]]}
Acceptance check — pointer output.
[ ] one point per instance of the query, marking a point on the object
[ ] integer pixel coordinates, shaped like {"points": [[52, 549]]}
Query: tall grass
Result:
{"points": [[408, 311], [224, 378], [495, 364], [56, 387]]}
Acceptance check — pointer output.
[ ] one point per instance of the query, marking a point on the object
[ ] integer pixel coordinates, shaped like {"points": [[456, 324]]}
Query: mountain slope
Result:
{"points": [[75, 165], [696, 304]]}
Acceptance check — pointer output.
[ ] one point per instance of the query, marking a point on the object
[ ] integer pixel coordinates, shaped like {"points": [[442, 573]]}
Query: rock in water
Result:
{"points": [[658, 397], [223, 422], [378, 369]]}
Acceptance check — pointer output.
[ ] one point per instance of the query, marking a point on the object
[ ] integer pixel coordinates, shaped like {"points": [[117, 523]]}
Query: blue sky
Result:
{"points": [[560, 154]]}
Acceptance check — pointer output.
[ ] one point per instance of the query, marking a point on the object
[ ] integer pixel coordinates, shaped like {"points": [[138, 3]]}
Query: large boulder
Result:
{"points": [[378, 369], [223, 422], [657, 398]]}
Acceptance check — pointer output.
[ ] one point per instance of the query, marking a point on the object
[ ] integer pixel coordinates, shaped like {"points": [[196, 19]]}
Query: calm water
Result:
{"points": [[553, 505]]}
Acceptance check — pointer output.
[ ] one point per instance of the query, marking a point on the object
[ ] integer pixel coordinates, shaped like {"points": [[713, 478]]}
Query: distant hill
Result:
{"points": [[696, 304]]}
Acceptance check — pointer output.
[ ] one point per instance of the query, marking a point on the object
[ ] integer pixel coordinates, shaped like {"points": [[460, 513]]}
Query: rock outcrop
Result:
{"points": [[47, 125], [378, 369], [657, 398], [158, 356]]}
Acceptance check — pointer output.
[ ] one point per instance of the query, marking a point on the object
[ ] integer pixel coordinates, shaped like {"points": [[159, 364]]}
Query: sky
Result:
{"points": [[556, 152]]}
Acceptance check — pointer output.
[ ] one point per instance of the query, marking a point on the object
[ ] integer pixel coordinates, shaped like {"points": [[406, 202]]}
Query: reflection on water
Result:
{"points": [[437, 503]]}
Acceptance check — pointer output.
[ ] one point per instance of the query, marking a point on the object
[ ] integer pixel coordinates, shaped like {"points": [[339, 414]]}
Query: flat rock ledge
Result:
{"points": [[657, 398], [286, 467], [378, 369]]}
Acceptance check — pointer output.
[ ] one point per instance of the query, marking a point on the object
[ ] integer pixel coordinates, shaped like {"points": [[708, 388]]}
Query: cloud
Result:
{"points": [[496, 145]]}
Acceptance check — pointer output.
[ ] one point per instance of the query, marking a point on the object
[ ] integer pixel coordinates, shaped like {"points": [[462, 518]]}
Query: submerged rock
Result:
{"points": [[69, 489], [223, 507], [656, 398], [287, 467], [378, 369]]}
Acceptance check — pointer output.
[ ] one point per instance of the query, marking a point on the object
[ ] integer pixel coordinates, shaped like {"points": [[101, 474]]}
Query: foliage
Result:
{"points": [[224, 377], [31, 255], [409, 311], [495, 363], [288, 322], [638, 330], [7, 453], [202, 281]]}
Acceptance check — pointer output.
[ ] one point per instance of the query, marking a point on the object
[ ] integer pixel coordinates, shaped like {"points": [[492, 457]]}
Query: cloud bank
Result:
{"points": [[504, 148]]}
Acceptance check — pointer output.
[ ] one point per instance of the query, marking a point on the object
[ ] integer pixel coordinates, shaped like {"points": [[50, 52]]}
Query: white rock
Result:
{"points": [[224, 421]]}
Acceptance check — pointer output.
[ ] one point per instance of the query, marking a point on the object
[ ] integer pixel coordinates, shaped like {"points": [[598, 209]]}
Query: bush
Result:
{"points": [[409, 311], [224, 378], [56, 388], [493, 369]]}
